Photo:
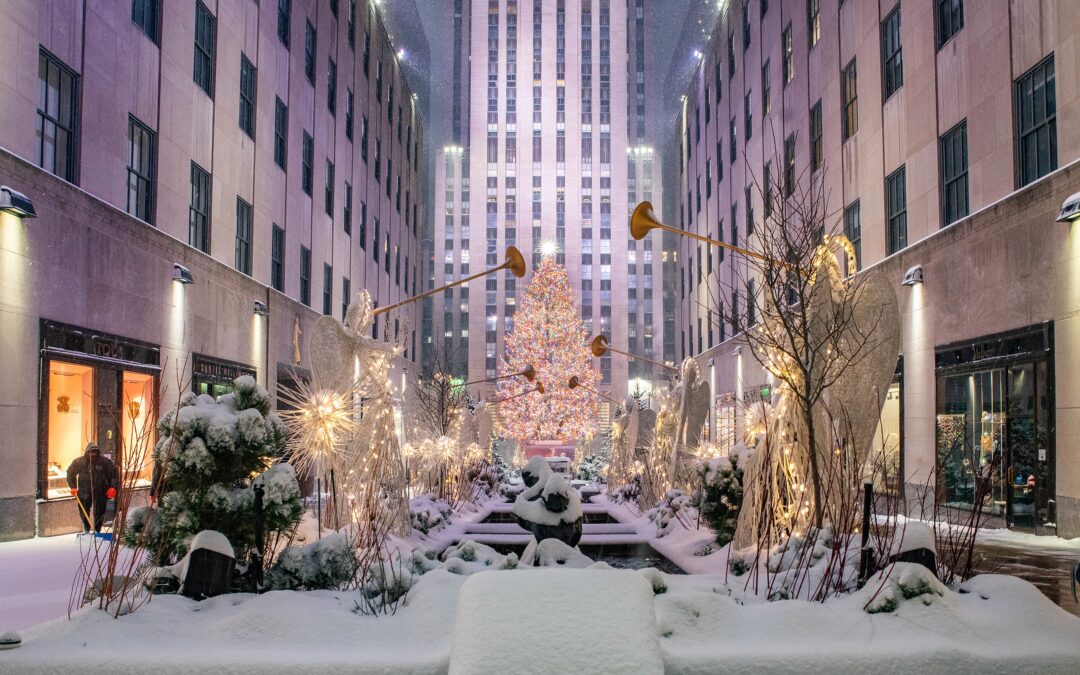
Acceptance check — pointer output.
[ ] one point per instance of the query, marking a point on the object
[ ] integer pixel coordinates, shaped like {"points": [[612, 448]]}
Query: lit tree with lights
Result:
{"points": [[549, 335]]}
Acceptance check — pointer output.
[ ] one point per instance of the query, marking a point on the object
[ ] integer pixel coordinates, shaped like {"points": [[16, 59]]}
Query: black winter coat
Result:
{"points": [[93, 476]]}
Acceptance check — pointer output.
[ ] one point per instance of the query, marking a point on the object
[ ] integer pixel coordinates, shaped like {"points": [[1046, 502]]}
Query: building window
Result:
{"points": [[281, 132], [766, 91], [375, 243], [57, 113], [789, 56], [347, 213], [327, 288], [367, 53], [144, 13], [1036, 122], [748, 117], [813, 21], [751, 303], [284, 12], [733, 152], [362, 233], [850, 100], [954, 173], [892, 63], [731, 53], [351, 26], [345, 293], [140, 174], [277, 259], [305, 275], [767, 189], [199, 209], [204, 48], [749, 196], [950, 19], [247, 96], [306, 170], [349, 114], [309, 53], [363, 138], [378, 160], [853, 231], [745, 24], [896, 211], [816, 145], [331, 86], [329, 194], [789, 165], [243, 236]]}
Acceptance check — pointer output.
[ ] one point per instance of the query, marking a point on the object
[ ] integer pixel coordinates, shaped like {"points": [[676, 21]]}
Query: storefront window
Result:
{"points": [[725, 422], [138, 428], [215, 376], [71, 421]]}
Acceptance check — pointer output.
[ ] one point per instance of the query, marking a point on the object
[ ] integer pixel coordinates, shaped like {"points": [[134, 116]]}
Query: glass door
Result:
{"points": [[1030, 479], [971, 440]]}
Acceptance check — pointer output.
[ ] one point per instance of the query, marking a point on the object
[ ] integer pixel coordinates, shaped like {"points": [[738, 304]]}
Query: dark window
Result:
{"points": [[375, 243], [751, 303], [281, 132], [1036, 122], [349, 114], [789, 56], [204, 48], [850, 100], [145, 15], [745, 24], [284, 11], [334, 7], [351, 26], [347, 213], [853, 230], [816, 146], [813, 21], [386, 254], [767, 189], [309, 53], [378, 159], [896, 211], [199, 209], [331, 86], [378, 80], [748, 117], [57, 114], [367, 52], [306, 170], [954, 174], [345, 293], [277, 259], [329, 188], [362, 234], [243, 236], [950, 19], [140, 174], [748, 195], [789, 165], [363, 137], [733, 152], [247, 96], [305, 275], [327, 288], [892, 63], [766, 90]]}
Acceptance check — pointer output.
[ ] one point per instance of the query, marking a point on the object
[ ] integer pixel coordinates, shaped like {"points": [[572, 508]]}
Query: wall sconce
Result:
{"points": [[182, 274], [261, 309], [16, 203], [1070, 210], [913, 276]]}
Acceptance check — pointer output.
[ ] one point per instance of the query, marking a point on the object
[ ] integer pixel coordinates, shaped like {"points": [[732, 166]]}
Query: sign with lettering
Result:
{"points": [[56, 335]]}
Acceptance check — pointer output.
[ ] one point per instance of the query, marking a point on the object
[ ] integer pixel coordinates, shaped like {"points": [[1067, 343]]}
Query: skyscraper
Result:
{"points": [[549, 155]]}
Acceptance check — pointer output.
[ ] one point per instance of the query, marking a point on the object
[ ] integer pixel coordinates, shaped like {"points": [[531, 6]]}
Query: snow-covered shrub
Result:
{"points": [[905, 581], [656, 580], [208, 451], [627, 493], [469, 557], [423, 559], [427, 513], [387, 584], [328, 563], [677, 506], [722, 492], [592, 468]]}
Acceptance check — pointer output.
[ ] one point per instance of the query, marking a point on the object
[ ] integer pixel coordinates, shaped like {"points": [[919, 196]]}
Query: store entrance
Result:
{"points": [[994, 448]]}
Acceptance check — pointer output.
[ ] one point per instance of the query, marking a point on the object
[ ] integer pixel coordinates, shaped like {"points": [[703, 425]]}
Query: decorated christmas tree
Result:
{"points": [[548, 335]]}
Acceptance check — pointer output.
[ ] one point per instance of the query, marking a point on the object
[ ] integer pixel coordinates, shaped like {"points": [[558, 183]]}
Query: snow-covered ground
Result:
{"points": [[703, 622]]}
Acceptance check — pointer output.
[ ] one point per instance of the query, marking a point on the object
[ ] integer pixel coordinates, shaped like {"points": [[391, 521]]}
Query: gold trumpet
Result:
{"points": [[574, 383], [644, 219], [529, 374], [600, 346], [538, 388], [515, 262]]}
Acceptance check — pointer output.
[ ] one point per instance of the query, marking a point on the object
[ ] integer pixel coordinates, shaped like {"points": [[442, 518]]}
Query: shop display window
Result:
{"points": [[71, 421], [138, 427]]}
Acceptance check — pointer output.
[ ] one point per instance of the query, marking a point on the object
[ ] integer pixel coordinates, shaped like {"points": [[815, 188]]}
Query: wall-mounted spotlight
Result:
{"points": [[1070, 210], [16, 203], [182, 274], [913, 276], [261, 309]]}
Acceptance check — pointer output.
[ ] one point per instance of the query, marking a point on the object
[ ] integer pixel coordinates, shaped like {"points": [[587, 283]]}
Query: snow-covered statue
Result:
{"points": [[624, 442], [476, 426], [678, 427], [345, 358], [548, 507], [694, 397]]}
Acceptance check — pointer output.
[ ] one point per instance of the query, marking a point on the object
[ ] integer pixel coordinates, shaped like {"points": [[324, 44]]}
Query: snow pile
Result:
{"points": [[675, 507], [554, 553], [468, 557], [326, 563], [904, 581], [913, 535], [428, 513], [556, 621]]}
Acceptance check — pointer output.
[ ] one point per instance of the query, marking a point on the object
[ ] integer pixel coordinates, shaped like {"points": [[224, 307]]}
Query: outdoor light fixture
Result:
{"points": [[16, 203], [261, 309], [1070, 210], [182, 274], [913, 276]]}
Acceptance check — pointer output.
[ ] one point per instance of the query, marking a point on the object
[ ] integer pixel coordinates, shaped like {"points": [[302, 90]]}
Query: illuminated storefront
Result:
{"points": [[215, 376], [995, 426], [99, 388]]}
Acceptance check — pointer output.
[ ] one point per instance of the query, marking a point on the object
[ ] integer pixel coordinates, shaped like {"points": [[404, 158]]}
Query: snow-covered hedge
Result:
{"points": [[328, 563]]}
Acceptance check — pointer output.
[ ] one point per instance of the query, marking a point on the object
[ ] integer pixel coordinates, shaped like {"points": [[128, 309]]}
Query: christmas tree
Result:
{"points": [[548, 335]]}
